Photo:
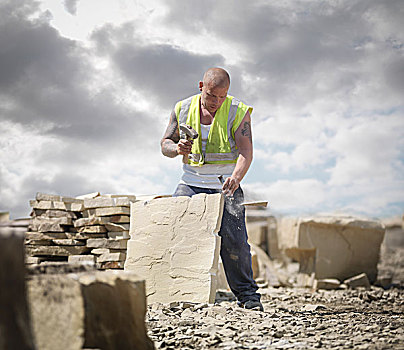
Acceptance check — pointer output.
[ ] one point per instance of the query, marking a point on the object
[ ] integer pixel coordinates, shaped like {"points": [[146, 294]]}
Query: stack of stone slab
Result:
{"points": [[52, 235], [93, 230]]}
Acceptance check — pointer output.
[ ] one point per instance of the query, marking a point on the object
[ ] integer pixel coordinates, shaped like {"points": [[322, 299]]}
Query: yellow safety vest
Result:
{"points": [[221, 146]]}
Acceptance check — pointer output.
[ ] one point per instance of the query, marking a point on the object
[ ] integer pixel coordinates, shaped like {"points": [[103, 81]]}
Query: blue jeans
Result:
{"points": [[234, 250]]}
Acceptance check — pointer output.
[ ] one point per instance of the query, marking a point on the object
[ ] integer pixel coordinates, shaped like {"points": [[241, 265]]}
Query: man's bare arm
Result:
{"points": [[171, 144], [170, 138], [243, 138]]}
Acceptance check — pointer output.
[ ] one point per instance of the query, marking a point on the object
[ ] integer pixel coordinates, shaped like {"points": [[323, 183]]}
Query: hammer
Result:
{"points": [[189, 133]]}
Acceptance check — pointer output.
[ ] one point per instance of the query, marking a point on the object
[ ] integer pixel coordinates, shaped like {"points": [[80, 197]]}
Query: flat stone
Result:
{"points": [[175, 246], [92, 229], [107, 243], [53, 213], [106, 211], [327, 283], [360, 280], [111, 257], [77, 259], [100, 251], [38, 242], [15, 325], [67, 241], [60, 220], [54, 250], [116, 227], [58, 205], [45, 235], [47, 197], [333, 246], [85, 235]]}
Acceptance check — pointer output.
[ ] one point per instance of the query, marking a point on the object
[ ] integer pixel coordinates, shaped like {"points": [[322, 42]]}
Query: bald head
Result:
{"points": [[216, 77]]}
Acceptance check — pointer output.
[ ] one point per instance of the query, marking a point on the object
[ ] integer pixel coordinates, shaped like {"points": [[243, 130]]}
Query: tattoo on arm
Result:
{"points": [[246, 131], [170, 137]]}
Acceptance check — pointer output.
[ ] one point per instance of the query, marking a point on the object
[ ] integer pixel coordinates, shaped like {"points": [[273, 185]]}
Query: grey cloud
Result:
{"points": [[71, 6], [44, 78], [294, 44], [165, 73]]}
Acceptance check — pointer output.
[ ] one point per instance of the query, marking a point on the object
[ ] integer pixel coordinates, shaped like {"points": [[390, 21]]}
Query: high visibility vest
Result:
{"points": [[221, 146]]}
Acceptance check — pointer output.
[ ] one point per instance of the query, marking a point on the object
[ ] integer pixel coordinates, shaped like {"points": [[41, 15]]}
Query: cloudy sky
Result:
{"points": [[87, 86]]}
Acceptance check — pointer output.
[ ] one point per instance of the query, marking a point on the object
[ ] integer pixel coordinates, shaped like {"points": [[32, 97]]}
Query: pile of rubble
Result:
{"points": [[92, 228]]}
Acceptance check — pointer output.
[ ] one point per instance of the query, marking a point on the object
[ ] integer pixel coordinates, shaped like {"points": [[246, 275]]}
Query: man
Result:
{"points": [[224, 147]]}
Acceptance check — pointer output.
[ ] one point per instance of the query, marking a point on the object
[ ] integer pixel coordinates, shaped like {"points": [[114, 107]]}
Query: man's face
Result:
{"points": [[212, 96]]}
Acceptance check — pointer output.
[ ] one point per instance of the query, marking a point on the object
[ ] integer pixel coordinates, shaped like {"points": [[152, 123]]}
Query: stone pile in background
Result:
{"points": [[92, 228]]}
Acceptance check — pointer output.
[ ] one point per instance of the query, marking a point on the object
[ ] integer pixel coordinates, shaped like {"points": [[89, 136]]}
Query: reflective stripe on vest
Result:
{"points": [[224, 150]]}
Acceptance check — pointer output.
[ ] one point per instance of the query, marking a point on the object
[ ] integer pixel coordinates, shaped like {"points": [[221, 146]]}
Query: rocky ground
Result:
{"points": [[293, 318]]}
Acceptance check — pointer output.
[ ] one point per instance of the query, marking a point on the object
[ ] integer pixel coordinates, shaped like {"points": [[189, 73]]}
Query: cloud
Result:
{"points": [[164, 73], [71, 6]]}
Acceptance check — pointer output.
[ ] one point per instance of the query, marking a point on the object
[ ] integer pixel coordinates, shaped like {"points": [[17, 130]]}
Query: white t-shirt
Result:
{"points": [[206, 176]]}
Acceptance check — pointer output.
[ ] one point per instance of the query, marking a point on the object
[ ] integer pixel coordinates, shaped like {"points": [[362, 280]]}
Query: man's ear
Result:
{"points": [[200, 85]]}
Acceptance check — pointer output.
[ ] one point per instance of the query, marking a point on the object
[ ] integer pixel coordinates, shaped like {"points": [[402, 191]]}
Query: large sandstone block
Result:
{"points": [[15, 324], [175, 246], [101, 310], [333, 246]]}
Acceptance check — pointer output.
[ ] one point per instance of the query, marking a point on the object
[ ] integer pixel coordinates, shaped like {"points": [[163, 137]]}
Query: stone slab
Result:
{"points": [[15, 323], [117, 227], [105, 201], [111, 257], [68, 242], [327, 283], [100, 251], [107, 243], [78, 259], [45, 235], [360, 280], [175, 246], [97, 310], [85, 236], [33, 250], [92, 229], [110, 265], [58, 205], [106, 211], [53, 213], [333, 246], [38, 242]]}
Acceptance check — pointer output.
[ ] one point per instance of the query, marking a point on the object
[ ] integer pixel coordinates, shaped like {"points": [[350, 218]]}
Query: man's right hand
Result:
{"points": [[184, 147]]}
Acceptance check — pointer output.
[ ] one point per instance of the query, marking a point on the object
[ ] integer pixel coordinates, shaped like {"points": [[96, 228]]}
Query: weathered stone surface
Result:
{"points": [[57, 310], [53, 213], [327, 283], [257, 233], [333, 247], [100, 251], [175, 246], [73, 235], [115, 305], [101, 310], [47, 197], [106, 211], [38, 242], [45, 235], [50, 224], [15, 323], [67, 241], [77, 259], [54, 250], [107, 243], [111, 257], [92, 229], [117, 227], [360, 280], [58, 205]]}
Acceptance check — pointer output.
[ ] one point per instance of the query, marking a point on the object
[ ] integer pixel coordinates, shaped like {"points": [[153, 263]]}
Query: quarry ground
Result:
{"points": [[294, 318]]}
